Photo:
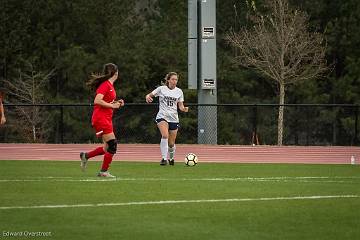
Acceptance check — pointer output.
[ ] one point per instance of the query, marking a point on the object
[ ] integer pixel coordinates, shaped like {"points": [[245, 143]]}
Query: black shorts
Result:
{"points": [[172, 125]]}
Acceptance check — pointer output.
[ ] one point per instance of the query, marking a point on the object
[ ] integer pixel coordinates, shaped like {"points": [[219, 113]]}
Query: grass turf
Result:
{"points": [[35, 183]]}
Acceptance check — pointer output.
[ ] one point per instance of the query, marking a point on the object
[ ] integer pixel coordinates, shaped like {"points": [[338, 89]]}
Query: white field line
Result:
{"points": [[281, 177], [168, 180], [162, 202], [334, 179]]}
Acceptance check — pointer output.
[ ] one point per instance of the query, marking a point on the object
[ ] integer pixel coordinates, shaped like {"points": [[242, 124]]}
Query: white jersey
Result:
{"points": [[168, 101]]}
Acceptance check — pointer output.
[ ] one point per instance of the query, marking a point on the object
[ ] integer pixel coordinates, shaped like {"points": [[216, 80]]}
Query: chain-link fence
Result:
{"points": [[304, 124]]}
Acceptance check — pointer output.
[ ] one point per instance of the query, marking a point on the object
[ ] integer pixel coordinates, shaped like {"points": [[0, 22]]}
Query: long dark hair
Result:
{"points": [[96, 78]]}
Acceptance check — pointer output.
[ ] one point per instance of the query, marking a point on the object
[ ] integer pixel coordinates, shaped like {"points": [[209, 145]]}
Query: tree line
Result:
{"points": [[52, 47]]}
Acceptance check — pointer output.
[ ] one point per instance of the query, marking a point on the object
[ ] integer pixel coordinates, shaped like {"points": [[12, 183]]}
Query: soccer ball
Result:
{"points": [[191, 159]]}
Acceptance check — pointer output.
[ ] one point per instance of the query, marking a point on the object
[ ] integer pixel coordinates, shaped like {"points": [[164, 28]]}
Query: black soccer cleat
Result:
{"points": [[171, 162], [163, 162]]}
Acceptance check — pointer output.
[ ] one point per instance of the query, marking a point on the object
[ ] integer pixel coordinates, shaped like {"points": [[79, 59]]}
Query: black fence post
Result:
{"points": [[334, 126], [296, 126], [255, 139], [62, 124], [356, 140], [308, 126]]}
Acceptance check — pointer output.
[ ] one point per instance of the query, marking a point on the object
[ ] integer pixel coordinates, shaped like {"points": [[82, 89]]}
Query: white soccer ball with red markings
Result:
{"points": [[191, 159]]}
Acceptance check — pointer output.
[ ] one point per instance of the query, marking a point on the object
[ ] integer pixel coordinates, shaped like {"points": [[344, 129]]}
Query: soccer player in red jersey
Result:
{"points": [[104, 105]]}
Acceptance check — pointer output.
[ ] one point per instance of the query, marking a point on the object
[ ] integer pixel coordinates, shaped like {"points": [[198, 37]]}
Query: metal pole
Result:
{"points": [[207, 93], [192, 44]]}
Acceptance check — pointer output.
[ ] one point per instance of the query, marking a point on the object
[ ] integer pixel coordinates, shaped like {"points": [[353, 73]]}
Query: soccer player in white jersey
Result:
{"points": [[170, 99]]}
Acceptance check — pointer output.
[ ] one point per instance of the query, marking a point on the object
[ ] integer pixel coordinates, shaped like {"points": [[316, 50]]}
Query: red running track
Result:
{"points": [[206, 153]]}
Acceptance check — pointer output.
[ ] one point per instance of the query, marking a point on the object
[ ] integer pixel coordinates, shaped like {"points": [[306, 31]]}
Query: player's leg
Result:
{"points": [[85, 156], [164, 131], [110, 146], [96, 152], [173, 129]]}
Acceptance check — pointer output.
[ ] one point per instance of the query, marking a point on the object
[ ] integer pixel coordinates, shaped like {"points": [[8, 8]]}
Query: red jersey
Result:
{"points": [[107, 89]]}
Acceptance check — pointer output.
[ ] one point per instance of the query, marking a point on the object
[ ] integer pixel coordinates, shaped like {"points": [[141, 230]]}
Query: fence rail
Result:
{"points": [[304, 124]]}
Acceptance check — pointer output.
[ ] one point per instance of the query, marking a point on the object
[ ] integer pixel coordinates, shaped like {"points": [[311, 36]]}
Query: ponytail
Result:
{"points": [[96, 78]]}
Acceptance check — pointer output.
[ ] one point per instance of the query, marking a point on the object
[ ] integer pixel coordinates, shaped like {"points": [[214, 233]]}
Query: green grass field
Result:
{"points": [[147, 201]]}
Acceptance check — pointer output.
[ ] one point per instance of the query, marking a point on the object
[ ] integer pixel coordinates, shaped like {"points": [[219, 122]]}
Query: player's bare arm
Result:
{"points": [[2, 113], [182, 107], [149, 98], [99, 101]]}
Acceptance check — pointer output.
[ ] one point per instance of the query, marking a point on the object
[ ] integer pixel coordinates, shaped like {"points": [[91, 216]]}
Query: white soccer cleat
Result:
{"points": [[105, 174], [84, 160]]}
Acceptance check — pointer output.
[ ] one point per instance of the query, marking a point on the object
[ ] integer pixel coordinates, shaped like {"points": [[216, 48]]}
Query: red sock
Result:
{"points": [[95, 152], [107, 161]]}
